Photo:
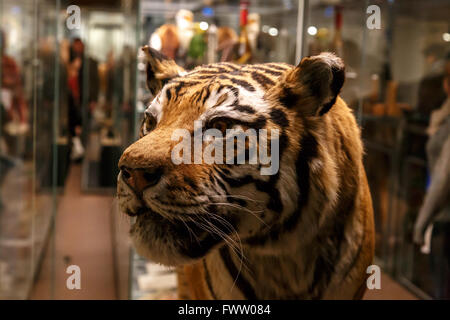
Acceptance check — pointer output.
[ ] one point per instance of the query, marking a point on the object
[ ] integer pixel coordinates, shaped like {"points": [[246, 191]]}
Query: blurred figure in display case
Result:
{"points": [[431, 95], [78, 64], [14, 110], [432, 227]]}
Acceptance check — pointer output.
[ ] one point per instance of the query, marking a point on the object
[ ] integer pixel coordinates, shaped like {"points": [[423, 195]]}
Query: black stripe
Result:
{"points": [[288, 98], [195, 249], [208, 92], [243, 83], [244, 108], [332, 236], [208, 280], [262, 79], [259, 123], [222, 70], [230, 65], [307, 152], [210, 68], [268, 187], [243, 285], [266, 70], [205, 76], [195, 98], [179, 205], [157, 55], [164, 81], [151, 83], [190, 182], [239, 201], [330, 242], [178, 88], [279, 117], [239, 82], [168, 94], [178, 84], [234, 90], [326, 107], [323, 270], [282, 67], [199, 99], [236, 182]]}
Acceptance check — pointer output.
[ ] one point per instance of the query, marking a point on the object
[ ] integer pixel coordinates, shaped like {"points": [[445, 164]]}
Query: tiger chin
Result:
{"points": [[304, 231]]}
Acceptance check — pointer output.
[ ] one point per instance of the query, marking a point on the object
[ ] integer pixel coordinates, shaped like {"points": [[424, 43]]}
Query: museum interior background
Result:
{"points": [[72, 100]]}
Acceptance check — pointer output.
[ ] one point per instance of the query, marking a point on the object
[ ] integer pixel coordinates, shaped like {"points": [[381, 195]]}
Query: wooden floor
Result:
{"points": [[83, 238], [390, 290]]}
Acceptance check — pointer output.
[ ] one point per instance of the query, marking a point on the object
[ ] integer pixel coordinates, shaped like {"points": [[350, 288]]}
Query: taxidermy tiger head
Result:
{"points": [[189, 191]]}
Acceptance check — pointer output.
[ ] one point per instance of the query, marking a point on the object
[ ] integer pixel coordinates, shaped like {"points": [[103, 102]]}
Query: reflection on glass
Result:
{"points": [[28, 68], [107, 74], [395, 80]]}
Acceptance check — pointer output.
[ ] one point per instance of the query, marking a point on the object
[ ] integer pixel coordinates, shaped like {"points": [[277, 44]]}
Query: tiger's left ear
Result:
{"points": [[312, 87], [160, 69]]}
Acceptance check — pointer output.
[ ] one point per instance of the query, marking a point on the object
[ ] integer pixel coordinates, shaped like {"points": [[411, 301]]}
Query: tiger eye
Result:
{"points": [[149, 123]]}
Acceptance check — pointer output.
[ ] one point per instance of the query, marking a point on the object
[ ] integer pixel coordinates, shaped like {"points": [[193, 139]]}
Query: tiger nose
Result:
{"points": [[141, 178]]}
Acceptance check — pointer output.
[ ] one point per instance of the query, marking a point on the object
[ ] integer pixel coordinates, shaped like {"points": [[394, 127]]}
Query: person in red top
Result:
{"points": [[13, 105], [82, 88], [13, 108]]}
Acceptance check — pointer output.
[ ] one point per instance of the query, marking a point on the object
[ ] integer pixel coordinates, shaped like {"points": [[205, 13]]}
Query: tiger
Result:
{"points": [[230, 232]]}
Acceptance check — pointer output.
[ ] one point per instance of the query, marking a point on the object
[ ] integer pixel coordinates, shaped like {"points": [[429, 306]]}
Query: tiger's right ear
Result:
{"points": [[312, 87], [160, 69]]}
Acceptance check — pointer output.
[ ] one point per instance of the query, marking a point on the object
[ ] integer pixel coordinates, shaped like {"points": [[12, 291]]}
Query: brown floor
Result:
{"points": [[390, 290], [83, 238]]}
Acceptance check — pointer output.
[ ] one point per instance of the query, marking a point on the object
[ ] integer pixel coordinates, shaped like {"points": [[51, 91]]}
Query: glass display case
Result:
{"points": [[30, 102], [57, 83], [394, 81]]}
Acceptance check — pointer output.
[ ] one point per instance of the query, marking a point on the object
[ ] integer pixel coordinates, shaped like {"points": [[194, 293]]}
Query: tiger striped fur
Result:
{"points": [[305, 232]]}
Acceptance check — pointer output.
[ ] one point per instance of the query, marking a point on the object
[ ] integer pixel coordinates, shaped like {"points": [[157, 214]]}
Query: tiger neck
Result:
{"points": [[228, 276]]}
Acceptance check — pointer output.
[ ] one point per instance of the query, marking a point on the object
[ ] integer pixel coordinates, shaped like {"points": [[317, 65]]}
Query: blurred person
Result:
{"points": [[431, 96], [432, 227], [76, 85], [114, 82], [14, 110], [47, 55], [120, 80]]}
